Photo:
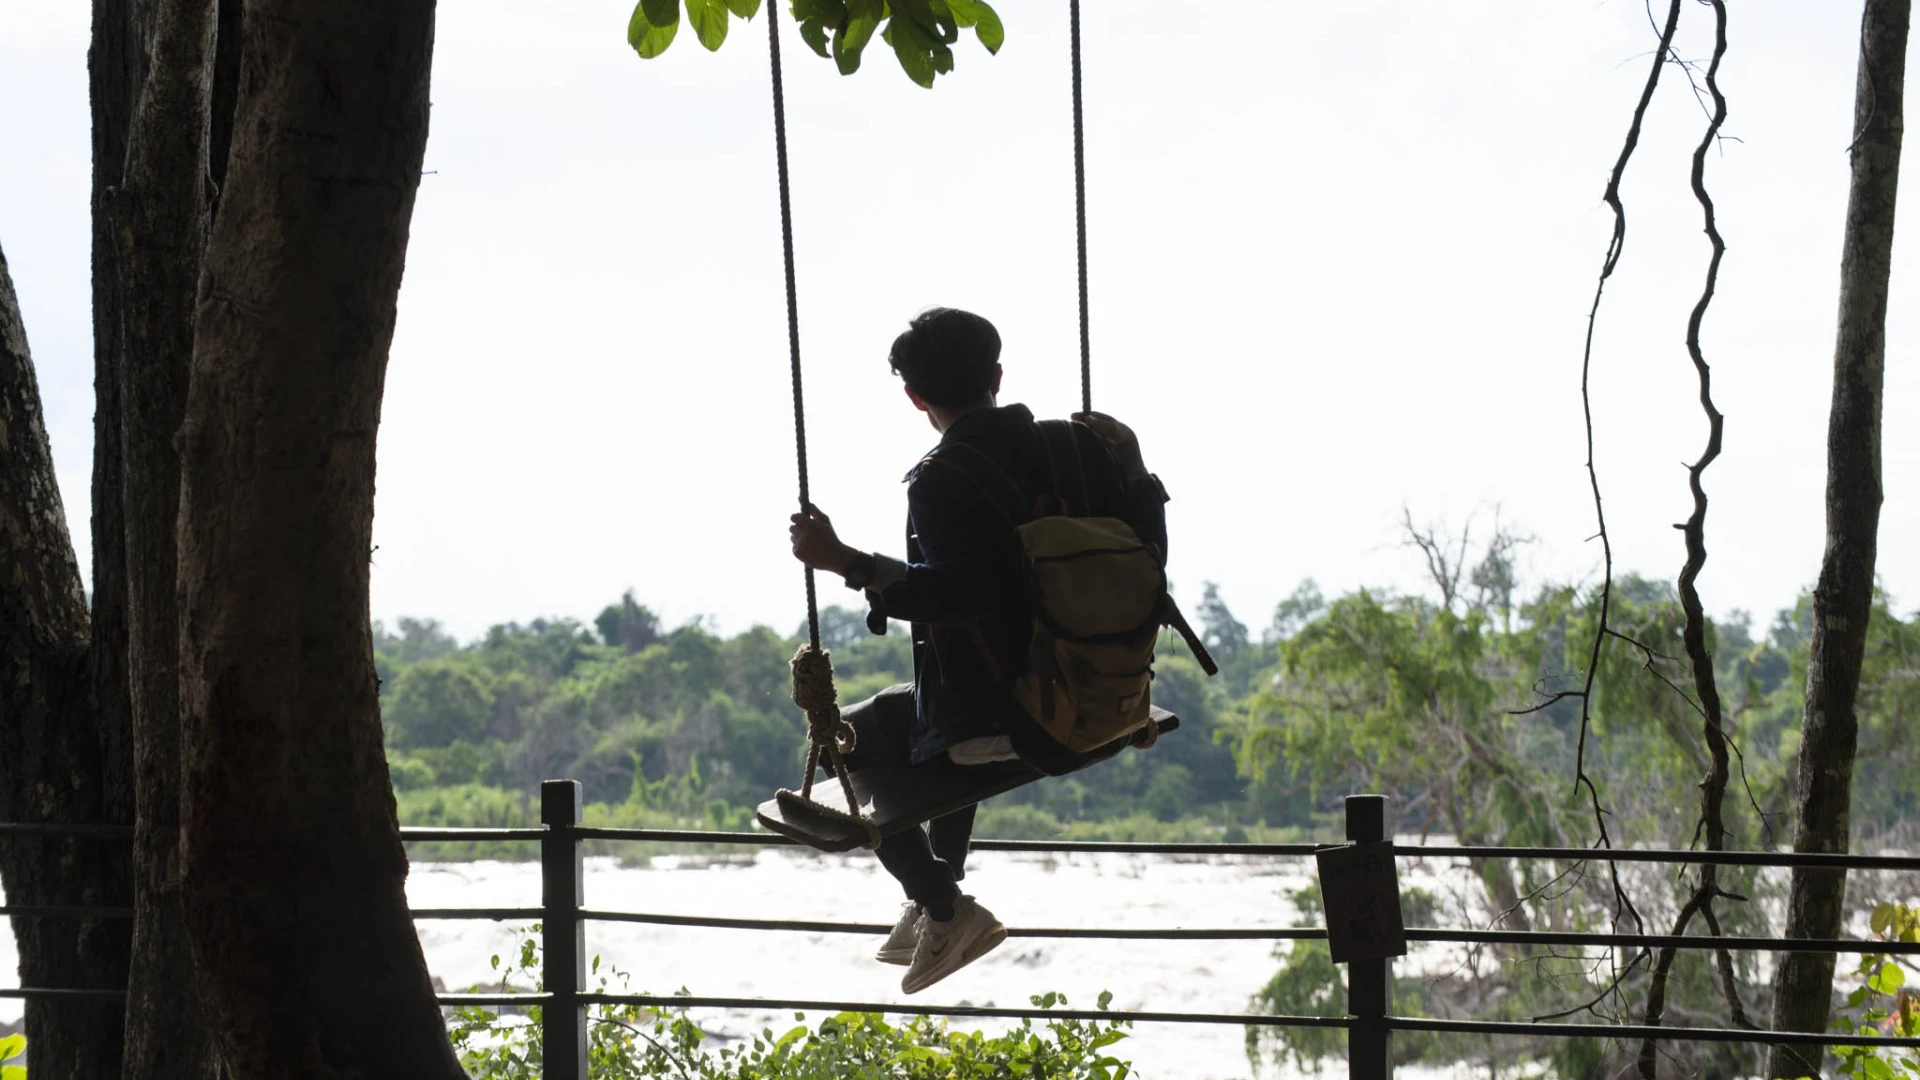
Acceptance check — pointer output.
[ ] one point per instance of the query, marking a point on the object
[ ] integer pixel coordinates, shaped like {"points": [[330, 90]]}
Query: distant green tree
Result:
{"points": [[1220, 632], [1182, 688], [418, 639], [1296, 610], [436, 702], [756, 672], [545, 649], [1171, 794], [408, 774], [627, 624], [460, 763], [840, 628]]}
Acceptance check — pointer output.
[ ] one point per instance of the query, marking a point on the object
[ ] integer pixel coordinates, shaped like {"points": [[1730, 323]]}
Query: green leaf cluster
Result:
{"points": [[921, 33], [645, 1042], [654, 23], [1882, 1004], [11, 1047]]}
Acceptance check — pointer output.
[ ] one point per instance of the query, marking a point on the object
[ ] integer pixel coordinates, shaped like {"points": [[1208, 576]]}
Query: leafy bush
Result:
{"points": [[1017, 821], [641, 1042], [1882, 1004]]}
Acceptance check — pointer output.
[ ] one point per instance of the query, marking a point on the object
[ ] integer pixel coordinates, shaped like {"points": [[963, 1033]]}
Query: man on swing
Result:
{"points": [[962, 589]]}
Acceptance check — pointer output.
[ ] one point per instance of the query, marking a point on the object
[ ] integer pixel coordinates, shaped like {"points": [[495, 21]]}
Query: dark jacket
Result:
{"points": [[963, 588]]}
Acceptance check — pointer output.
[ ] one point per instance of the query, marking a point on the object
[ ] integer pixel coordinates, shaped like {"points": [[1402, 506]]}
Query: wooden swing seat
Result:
{"points": [[897, 797]]}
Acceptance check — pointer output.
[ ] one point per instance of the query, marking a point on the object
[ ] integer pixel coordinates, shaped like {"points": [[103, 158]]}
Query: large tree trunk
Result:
{"points": [[57, 762], [159, 217], [1843, 598], [294, 870], [63, 694]]}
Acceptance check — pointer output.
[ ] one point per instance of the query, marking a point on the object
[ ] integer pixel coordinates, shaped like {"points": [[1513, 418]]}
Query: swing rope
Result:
{"points": [[1080, 213], [828, 734]]}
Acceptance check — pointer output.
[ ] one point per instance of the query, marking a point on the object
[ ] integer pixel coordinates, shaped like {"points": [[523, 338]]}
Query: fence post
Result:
{"points": [[563, 1022], [1369, 982]]}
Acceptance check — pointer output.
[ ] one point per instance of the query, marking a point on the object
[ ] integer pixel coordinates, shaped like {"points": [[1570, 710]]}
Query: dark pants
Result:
{"points": [[927, 860]]}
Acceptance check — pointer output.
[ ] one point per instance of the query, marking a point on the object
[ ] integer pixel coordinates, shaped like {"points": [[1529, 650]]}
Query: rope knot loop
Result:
{"points": [[814, 691], [828, 735]]}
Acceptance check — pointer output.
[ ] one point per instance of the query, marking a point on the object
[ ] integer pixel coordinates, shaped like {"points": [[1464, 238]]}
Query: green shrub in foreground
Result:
{"points": [[1882, 1004], [641, 1042]]}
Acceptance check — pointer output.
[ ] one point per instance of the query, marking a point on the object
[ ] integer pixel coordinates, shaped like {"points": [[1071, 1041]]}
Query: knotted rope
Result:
{"points": [[827, 733]]}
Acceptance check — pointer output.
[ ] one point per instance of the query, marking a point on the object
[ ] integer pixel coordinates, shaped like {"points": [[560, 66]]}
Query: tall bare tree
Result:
{"points": [[1843, 597]]}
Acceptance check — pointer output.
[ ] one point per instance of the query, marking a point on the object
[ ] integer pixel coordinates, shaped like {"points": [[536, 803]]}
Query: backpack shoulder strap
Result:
{"points": [[1000, 490], [1064, 463]]}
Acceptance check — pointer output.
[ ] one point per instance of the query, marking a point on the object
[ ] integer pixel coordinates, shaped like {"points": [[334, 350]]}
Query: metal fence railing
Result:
{"points": [[1370, 1021]]}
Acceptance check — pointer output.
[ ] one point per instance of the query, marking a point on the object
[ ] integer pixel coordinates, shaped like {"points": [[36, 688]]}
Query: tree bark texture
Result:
{"points": [[63, 700], [116, 70], [1843, 597], [159, 219], [294, 869], [54, 754]]}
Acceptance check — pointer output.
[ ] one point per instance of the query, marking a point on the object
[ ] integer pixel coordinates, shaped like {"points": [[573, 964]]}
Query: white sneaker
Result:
{"points": [[946, 947], [898, 948]]}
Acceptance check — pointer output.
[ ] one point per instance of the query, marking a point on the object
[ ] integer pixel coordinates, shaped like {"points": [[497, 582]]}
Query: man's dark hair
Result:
{"points": [[947, 357]]}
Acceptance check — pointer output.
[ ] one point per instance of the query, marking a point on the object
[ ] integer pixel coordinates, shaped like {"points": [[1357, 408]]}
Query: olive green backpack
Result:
{"points": [[1099, 597]]}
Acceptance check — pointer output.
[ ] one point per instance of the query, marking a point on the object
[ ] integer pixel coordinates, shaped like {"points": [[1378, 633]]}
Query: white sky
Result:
{"points": [[1342, 255]]}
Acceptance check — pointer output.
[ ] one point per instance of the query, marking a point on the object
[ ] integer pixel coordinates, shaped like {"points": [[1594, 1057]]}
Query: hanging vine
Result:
{"points": [[1712, 828], [1616, 245]]}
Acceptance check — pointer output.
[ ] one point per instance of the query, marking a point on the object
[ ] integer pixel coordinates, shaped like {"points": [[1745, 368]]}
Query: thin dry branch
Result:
{"points": [[1575, 870], [1723, 966], [1615, 245], [1650, 655], [1592, 1004], [1541, 705]]}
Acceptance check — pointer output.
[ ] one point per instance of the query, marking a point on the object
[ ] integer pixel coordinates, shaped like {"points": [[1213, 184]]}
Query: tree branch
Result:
{"points": [[1615, 245]]}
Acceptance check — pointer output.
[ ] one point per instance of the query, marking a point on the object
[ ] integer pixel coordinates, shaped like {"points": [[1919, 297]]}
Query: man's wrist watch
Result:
{"points": [[859, 572]]}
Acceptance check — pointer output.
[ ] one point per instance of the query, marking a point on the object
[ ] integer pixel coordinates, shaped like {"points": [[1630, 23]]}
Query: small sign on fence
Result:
{"points": [[1360, 888]]}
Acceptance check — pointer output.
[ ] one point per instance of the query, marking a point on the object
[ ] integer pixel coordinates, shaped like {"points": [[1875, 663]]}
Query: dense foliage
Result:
{"points": [[638, 1042], [1384, 692], [690, 727], [1882, 1004], [1453, 706], [1446, 703]]}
